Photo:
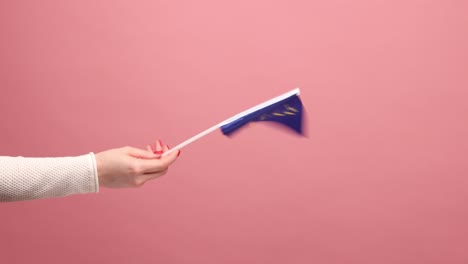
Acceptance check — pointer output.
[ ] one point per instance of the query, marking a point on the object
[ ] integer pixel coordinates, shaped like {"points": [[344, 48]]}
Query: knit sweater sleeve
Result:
{"points": [[24, 178]]}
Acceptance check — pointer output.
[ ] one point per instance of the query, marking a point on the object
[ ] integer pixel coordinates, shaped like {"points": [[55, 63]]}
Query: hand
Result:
{"points": [[132, 167]]}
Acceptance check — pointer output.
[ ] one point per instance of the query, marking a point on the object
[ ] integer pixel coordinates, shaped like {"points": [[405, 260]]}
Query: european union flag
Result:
{"points": [[287, 111]]}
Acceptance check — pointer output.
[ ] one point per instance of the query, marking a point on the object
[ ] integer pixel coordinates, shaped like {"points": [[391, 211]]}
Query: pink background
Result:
{"points": [[382, 177]]}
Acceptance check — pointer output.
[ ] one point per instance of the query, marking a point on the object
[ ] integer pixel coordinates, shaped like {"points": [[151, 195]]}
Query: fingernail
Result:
{"points": [[178, 154], [157, 152]]}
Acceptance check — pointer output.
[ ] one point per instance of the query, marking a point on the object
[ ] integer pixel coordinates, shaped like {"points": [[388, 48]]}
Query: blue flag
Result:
{"points": [[285, 109], [288, 112]]}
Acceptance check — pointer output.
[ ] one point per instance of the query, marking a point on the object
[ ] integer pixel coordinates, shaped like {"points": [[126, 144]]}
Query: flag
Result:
{"points": [[287, 111]]}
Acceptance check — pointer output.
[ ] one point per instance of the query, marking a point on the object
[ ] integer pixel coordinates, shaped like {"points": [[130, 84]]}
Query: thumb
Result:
{"points": [[141, 154]]}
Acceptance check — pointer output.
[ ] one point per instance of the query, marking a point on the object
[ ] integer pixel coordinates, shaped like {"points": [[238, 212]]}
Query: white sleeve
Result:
{"points": [[36, 178]]}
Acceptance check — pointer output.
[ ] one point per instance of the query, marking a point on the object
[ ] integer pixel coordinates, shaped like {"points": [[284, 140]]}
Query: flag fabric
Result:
{"points": [[288, 112]]}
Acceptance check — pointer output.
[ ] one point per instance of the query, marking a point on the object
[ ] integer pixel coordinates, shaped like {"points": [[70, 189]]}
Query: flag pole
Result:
{"points": [[192, 139], [235, 117]]}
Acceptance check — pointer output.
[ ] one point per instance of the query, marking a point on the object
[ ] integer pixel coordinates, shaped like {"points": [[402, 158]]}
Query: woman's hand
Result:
{"points": [[132, 167]]}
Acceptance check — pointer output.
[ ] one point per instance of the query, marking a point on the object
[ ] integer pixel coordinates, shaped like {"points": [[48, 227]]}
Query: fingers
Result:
{"points": [[157, 165], [150, 161], [171, 158], [140, 153], [141, 179], [159, 148], [149, 148]]}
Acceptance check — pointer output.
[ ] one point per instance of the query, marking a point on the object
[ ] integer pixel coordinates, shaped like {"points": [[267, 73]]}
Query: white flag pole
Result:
{"points": [[227, 121]]}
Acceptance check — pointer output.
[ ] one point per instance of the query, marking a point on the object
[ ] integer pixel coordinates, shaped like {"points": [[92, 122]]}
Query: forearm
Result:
{"points": [[37, 178]]}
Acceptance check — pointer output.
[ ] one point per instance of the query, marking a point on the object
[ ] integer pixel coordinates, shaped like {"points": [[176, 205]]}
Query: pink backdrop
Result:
{"points": [[382, 177]]}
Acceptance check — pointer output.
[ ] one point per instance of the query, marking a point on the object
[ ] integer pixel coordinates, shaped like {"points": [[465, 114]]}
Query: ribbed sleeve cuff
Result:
{"points": [[94, 174]]}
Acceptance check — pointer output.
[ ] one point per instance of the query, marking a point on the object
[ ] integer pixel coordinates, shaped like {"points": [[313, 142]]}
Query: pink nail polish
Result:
{"points": [[178, 154]]}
